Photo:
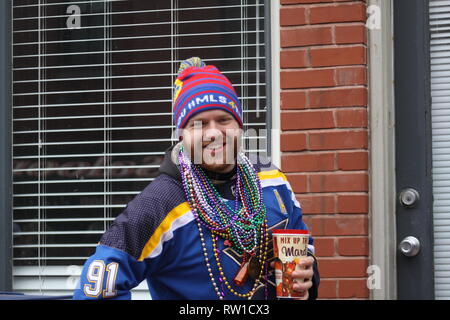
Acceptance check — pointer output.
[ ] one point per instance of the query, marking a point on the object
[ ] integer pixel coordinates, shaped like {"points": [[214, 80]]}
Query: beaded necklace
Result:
{"points": [[243, 226]]}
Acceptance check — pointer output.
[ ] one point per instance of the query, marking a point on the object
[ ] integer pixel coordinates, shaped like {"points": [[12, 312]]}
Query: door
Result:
{"points": [[414, 208]]}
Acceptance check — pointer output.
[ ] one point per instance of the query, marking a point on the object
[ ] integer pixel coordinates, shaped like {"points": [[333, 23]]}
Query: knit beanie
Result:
{"points": [[199, 88]]}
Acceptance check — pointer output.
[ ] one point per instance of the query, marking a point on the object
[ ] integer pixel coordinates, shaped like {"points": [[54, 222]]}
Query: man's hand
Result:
{"points": [[303, 278]]}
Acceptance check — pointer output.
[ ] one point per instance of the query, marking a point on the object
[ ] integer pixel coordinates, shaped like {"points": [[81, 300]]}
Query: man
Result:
{"points": [[202, 229]]}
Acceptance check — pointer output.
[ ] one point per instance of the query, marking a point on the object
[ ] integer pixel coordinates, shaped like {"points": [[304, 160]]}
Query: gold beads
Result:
{"points": [[262, 259]]}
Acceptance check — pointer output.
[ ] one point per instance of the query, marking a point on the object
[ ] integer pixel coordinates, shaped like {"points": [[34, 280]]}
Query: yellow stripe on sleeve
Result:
{"points": [[165, 226], [272, 174]]}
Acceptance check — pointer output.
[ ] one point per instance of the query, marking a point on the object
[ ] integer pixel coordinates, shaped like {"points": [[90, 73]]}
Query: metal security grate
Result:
{"points": [[92, 92], [440, 85]]}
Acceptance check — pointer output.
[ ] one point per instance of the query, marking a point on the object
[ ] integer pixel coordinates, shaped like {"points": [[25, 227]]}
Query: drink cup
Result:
{"points": [[289, 247]]}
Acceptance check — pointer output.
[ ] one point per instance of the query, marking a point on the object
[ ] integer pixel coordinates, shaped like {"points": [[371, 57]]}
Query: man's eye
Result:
{"points": [[196, 123]]}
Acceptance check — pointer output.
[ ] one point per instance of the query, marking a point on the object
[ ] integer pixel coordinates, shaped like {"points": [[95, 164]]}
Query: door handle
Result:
{"points": [[410, 246], [409, 197]]}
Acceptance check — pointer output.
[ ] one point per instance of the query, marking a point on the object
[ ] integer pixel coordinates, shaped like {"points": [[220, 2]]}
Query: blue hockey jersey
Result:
{"points": [[156, 238]]}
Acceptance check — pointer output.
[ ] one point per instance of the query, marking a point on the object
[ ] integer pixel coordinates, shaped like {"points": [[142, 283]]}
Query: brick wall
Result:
{"points": [[324, 139]]}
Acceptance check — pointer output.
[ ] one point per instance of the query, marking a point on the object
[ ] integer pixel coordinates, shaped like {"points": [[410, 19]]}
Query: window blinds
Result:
{"points": [[92, 92], [440, 84]]}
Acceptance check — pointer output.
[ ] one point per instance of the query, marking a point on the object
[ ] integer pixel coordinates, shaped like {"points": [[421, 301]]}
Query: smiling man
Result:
{"points": [[202, 228], [212, 138]]}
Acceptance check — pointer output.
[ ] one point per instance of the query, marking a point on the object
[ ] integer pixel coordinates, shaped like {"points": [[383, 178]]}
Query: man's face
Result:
{"points": [[212, 139]]}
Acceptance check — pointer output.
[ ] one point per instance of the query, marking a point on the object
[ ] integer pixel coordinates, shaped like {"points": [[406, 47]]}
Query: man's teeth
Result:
{"points": [[217, 146]]}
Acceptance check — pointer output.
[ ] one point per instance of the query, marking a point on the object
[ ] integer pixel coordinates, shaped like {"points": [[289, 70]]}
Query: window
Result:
{"points": [[92, 92]]}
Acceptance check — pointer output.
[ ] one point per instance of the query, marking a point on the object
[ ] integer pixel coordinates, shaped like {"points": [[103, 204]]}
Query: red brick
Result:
{"points": [[328, 289], [358, 160], [300, 120], [334, 140], [325, 247], [293, 141], [317, 204], [293, 100], [317, 89], [287, 2], [350, 76], [353, 246], [303, 1], [306, 36], [352, 12], [308, 162], [292, 16], [307, 79], [353, 203], [342, 268], [352, 118], [307, 219], [346, 34], [337, 97], [339, 182], [298, 182], [297, 58], [353, 288], [340, 56], [355, 225]]}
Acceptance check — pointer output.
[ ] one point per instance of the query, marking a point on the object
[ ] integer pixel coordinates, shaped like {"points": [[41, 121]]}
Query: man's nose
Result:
{"points": [[211, 125], [211, 132]]}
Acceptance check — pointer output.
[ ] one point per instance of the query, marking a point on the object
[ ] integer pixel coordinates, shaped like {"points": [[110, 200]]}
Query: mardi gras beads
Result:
{"points": [[244, 226]]}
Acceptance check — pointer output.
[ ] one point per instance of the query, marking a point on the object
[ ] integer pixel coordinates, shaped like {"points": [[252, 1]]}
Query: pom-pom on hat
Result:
{"points": [[199, 88]]}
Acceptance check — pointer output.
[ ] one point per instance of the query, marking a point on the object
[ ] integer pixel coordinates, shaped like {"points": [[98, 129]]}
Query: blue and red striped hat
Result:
{"points": [[199, 88]]}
